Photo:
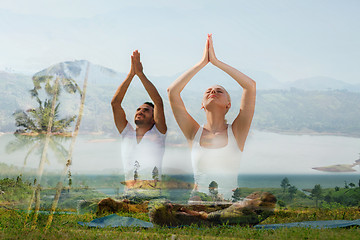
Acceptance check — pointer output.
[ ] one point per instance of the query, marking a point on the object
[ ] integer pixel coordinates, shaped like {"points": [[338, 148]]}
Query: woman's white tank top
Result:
{"points": [[216, 164]]}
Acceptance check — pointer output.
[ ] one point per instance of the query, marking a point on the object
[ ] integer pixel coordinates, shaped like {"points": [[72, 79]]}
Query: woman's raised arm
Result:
{"points": [[242, 122], [186, 123]]}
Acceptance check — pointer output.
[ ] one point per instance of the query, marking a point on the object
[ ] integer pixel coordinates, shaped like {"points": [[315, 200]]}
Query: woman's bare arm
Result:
{"points": [[242, 122], [186, 123]]}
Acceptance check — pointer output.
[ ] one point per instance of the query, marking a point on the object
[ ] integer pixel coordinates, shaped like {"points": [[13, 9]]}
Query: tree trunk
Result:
{"points": [[48, 133], [69, 159], [44, 154]]}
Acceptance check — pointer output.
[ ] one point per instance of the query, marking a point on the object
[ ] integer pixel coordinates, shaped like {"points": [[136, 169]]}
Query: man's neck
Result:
{"points": [[141, 130]]}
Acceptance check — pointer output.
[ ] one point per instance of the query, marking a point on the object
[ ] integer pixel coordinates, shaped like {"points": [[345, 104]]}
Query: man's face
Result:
{"points": [[144, 115]]}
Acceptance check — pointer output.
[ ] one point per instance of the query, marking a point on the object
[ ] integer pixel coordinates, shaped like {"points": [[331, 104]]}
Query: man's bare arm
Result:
{"points": [[118, 111], [159, 116]]}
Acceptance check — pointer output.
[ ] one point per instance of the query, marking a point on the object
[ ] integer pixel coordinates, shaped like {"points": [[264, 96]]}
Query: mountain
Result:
{"points": [[288, 108], [14, 92], [295, 110], [77, 70], [210, 75], [100, 75], [322, 84]]}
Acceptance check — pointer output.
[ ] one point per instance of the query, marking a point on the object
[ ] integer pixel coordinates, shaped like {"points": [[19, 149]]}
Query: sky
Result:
{"points": [[287, 39]]}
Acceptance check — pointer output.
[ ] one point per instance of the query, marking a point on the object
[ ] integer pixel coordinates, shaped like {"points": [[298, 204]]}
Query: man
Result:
{"points": [[142, 148]]}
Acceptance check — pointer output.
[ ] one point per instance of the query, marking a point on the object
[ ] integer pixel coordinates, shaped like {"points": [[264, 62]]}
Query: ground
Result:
{"points": [[15, 224]]}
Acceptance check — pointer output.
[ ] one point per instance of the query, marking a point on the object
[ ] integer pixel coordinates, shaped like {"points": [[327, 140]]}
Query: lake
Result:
{"points": [[267, 158], [301, 181]]}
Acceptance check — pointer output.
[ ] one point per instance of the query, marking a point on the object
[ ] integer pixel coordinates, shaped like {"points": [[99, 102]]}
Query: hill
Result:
{"points": [[326, 111], [14, 92]]}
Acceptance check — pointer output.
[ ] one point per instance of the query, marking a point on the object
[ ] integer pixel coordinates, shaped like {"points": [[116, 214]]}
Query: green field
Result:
{"points": [[293, 206], [16, 225]]}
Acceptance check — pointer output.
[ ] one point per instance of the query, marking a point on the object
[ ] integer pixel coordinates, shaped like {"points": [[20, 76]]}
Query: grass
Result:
{"points": [[13, 226]]}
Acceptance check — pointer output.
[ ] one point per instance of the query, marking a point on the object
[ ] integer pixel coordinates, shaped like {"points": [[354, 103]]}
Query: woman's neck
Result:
{"points": [[215, 121]]}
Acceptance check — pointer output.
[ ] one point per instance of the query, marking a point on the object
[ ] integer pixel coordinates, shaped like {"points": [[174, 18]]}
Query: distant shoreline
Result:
{"points": [[287, 132], [311, 133]]}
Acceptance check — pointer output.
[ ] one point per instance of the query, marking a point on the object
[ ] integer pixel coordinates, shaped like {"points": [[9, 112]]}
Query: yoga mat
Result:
{"points": [[313, 224], [114, 220]]}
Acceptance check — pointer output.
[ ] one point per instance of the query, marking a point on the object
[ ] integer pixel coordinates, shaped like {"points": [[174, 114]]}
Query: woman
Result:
{"points": [[216, 146]]}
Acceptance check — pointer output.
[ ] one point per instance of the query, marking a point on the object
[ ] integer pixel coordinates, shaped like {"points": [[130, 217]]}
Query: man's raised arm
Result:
{"points": [[118, 111], [159, 116]]}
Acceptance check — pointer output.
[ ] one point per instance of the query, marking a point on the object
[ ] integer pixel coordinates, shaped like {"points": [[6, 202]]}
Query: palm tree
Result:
{"points": [[41, 129], [32, 127], [69, 158], [35, 121], [52, 89], [50, 128]]}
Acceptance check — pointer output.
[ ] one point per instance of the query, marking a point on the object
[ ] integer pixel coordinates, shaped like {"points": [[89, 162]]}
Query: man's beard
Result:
{"points": [[139, 122]]}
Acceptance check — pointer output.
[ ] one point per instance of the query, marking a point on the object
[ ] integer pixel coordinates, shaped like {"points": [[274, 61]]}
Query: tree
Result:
{"points": [[35, 121], [70, 85], [32, 127], [70, 180], [337, 189], [155, 174], [316, 193], [352, 185], [285, 184], [52, 89], [236, 195], [136, 175], [213, 190], [281, 203], [136, 168], [292, 191], [328, 197], [63, 83]]}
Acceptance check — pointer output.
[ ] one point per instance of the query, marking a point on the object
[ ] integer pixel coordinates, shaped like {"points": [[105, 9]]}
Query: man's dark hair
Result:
{"points": [[150, 104]]}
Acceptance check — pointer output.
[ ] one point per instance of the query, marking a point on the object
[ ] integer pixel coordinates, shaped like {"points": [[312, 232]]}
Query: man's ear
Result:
{"points": [[153, 118]]}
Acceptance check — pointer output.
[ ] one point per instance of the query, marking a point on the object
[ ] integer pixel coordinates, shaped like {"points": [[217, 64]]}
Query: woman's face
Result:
{"points": [[216, 95]]}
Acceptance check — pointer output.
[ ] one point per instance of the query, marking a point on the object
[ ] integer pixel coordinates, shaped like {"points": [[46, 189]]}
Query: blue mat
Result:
{"points": [[47, 212], [114, 220], [313, 224], [117, 221]]}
